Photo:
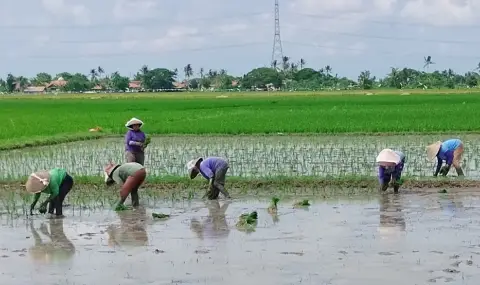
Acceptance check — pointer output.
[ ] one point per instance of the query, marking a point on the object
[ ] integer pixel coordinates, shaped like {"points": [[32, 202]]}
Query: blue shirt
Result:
{"points": [[446, 152]]}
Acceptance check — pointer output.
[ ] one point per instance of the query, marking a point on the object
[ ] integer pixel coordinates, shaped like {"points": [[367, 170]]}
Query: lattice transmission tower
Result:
{"points": [[277, 52]]}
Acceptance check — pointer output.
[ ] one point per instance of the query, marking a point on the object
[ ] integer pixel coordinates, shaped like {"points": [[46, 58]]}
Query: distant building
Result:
{"points": [[35, 90], [56, 84]]}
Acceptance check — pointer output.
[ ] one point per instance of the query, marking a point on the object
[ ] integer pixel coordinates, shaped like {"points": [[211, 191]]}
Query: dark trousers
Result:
{"points": [[57, 203]]}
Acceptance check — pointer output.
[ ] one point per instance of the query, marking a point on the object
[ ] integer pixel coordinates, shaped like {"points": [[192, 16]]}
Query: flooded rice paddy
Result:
{"points": [[390, 239], [258, 156]]}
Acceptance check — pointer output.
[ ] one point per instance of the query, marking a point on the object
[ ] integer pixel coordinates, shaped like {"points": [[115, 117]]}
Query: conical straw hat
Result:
{"points": [[191, 165], [38, 181], [133, 121], [388, 155], [432, 150], [108, 169]]}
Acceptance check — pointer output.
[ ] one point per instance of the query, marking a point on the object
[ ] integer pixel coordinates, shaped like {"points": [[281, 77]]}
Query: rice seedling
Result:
{"points": [[247, 222], [249, 156], [272, 209], [301, 204], [160, 216]]}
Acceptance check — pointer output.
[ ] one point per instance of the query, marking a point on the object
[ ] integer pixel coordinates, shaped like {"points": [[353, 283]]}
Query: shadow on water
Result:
{"points": [[215, 224], [131, 232], [57, 250]]}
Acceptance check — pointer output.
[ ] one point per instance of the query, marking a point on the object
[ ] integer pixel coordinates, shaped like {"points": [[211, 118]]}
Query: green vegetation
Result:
{"points": [[247, 222], [300, 204], [287, 75], [64, 119]]}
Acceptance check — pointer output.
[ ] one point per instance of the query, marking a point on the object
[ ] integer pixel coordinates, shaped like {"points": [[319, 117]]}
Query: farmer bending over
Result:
{"points": [[130, 176], [390, 166], [56, 182], [214, 169], [451, 151]]}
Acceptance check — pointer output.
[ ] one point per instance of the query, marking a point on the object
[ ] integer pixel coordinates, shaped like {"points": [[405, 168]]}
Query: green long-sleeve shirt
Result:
{"points": [[56, 178]]}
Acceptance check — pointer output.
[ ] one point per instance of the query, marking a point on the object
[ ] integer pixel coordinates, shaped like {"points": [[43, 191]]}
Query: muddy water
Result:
{"points": [[248, 156], [392, 239]]}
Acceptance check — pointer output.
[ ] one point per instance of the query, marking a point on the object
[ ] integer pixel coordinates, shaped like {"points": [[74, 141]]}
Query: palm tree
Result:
{"points": [[478, 67], [100, 70], [285, 63], [302, 63], [275, 64], [428, 62], [188, 72], [93, 74], [328, 69]]}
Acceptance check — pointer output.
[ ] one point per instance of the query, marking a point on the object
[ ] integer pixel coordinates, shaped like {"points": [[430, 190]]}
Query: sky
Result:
{"points": [[349, 35]]}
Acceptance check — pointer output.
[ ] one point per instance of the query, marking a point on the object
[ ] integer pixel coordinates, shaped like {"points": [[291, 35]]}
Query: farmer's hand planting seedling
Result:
{"points": [[450, 151], [56, 182], [135, 141], [214, 169], [390, 167], [130, 176]]}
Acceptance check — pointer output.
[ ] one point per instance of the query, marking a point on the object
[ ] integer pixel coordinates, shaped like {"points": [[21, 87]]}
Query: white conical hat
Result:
{"points": [[38, 181], [432, 150], [388, 155], [133, 121], [191, 165]]}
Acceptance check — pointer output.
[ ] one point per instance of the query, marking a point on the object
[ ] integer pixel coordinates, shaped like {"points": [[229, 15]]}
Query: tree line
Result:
{"points": [[286, 75]]}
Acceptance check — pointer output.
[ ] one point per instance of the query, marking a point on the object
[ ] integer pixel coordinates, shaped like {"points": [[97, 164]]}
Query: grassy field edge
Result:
{"points": [[60, 139]]}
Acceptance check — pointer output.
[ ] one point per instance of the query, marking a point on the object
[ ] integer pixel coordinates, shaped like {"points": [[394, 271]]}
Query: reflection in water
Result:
{"points": [[131, 231], [59, 249], [215, 225], [450, 205], [391, 215]]}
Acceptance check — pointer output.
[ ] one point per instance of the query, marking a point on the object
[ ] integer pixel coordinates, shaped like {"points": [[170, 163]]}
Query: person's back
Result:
{"points": [[450, 145]]}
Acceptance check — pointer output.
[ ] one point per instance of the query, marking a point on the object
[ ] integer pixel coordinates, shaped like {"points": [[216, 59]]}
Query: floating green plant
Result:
{"points": [[160, 216], [442, 191], [303, 203], [121, 207], [248, 222]]}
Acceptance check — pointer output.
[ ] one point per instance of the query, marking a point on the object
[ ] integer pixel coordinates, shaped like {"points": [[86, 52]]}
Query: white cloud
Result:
{"points": [[60, 8], [134, 9], [322, 6], [442, 12]]}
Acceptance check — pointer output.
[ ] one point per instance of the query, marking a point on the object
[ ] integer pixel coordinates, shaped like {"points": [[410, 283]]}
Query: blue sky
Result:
{"points": [[349, 35]]}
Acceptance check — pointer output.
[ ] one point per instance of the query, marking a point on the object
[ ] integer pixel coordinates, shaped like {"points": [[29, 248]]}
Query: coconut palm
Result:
{"points": [[428, 61], [285, 63], [302, 63], [188, 73]]}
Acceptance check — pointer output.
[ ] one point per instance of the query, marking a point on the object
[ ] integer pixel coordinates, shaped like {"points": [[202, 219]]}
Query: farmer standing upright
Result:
{"points": [[390, 167], [451, 151], [130, 176], [215, 170], [135, 142], [56, 182]]}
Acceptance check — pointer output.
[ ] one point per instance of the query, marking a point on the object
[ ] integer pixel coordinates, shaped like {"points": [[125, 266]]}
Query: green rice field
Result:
{"points": [[35, 120]]}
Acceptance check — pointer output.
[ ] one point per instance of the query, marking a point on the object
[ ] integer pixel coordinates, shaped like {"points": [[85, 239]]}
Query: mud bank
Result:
{"points": [[275, 183]]}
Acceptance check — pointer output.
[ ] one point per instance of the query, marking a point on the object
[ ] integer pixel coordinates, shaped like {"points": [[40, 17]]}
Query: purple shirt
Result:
{"points": [[385, 173], [210, 165], [134, 136]]}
